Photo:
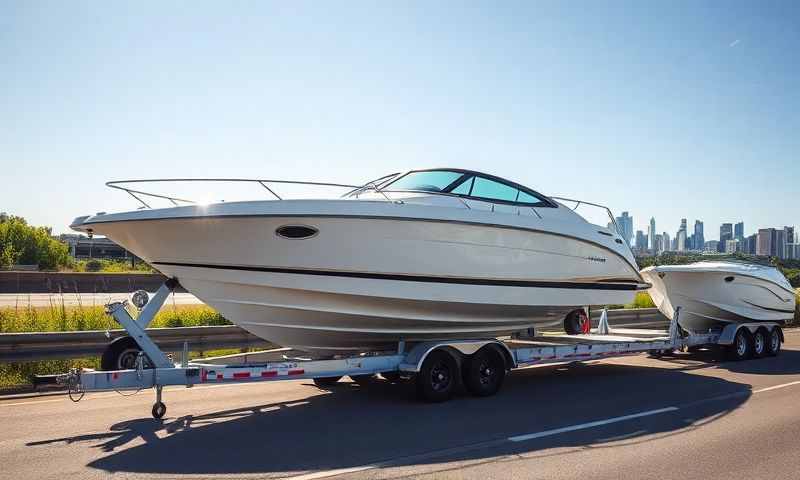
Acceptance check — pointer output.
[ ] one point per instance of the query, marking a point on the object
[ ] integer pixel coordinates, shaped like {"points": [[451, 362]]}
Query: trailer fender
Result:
{"points": [[417, 355], [729, 332]]}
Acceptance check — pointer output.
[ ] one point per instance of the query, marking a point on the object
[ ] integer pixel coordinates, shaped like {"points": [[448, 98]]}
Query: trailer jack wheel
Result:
{"points": [[159, 409]]}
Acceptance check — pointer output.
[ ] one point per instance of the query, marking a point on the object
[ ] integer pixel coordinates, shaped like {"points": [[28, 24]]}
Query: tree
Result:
{"points": [[21, 243]]}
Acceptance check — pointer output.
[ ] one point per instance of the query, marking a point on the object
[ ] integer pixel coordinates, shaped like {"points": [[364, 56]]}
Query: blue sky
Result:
{"points": [[666, 109]]}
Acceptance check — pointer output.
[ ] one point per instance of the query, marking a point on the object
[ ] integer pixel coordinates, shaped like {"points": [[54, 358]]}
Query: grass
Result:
{"points": [[642, 300], [57, 317], [108, 266]]}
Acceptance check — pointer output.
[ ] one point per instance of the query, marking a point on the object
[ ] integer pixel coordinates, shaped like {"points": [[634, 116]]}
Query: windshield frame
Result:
{"points": [[466, 175]]}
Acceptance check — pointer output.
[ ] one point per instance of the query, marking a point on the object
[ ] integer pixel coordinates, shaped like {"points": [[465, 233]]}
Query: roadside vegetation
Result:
{"points": [[60, 318], [109, 266], [21, 243], [24, 244]]}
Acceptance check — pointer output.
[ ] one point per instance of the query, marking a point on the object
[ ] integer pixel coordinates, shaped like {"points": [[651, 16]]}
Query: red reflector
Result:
{"points": [[241, 375], [269, 374], [219, 376], [296, 372]]}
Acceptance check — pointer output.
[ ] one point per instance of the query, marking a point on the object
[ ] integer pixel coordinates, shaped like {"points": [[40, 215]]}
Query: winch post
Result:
{"points": [[136, 328], [149, 311]]}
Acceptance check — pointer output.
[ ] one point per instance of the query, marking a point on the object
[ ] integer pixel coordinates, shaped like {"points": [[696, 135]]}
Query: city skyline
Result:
{"points": [[779, 241]]}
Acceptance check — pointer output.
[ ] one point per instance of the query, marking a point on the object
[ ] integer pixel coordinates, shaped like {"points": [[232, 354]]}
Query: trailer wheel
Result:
{"points": [[159, 409], [326, 382], [774, 342], [742, 347], [760, 339], [484, 372], [575, 321], [121, 354], [438, 377]]}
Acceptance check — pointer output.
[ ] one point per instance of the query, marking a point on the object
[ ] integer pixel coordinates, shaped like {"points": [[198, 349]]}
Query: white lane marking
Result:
{"points": [[332, 473], [775, 387], [583, 426]]}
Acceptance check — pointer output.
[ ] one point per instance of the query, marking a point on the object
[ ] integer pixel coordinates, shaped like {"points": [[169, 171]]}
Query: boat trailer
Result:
{"points": [[437, 366]]}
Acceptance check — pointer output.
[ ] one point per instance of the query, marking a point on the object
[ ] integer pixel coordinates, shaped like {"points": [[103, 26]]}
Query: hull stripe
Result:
{"points": [[768, 308], [421, 278]]}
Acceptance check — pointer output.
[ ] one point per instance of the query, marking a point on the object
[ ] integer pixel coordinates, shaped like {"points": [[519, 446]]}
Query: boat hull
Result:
{"points": [[367, 283], [709, 302]]}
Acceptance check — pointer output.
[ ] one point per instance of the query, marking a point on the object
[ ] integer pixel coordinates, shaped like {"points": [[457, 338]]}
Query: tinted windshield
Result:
{"points": [[428, 181]]}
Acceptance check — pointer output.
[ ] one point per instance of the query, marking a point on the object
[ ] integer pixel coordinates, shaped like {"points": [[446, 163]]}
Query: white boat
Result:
{"points": [[714, 294], [425, 254]]}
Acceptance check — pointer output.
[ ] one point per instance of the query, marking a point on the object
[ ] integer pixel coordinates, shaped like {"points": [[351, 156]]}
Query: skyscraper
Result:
{"points": [[625, 226], [651, 234], [699, 241], [725, 234], [665, 242], [681, 240], [680, 237], [765, 242], [738, 231], [641, 241], [788, 243], [751, 244], [779, 243]]}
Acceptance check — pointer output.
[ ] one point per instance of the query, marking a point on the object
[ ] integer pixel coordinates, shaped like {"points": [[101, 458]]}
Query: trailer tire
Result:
{"points": [[774, 340], [326, 382], [484, 372], [742, 346], [437, 379], [121, 354], [574, 322], [158, 411], [760, 340]]}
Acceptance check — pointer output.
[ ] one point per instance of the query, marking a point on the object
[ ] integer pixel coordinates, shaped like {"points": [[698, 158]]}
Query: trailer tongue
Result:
{"points": [[437, 367]]}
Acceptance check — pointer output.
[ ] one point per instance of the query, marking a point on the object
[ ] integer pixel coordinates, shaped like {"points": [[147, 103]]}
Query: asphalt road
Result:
{"points": [[73, 299], [690, 416]]}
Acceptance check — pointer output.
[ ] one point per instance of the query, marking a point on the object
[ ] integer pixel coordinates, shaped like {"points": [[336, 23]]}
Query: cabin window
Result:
{"points": [[465, 188], [489, 189]]}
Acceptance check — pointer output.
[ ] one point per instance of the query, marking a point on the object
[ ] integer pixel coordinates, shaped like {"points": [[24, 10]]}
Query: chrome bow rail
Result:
{"points": [[135, 193], [354, 191], [578, 203]]}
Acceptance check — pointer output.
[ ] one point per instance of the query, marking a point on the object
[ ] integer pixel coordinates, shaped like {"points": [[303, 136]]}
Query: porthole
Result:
{"points": [[729, 279], [296, 232]]}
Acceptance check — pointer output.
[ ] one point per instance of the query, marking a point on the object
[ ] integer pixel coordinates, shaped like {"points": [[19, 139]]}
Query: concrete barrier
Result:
{"points": [[64, 282]]}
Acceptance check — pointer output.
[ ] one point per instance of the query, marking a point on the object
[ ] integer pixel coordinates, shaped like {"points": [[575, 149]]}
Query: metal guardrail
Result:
{"points": [[26, 347]]}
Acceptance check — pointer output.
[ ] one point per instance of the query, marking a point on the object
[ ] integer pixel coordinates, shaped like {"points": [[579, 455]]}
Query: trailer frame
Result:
{"points": [[487, 360]]}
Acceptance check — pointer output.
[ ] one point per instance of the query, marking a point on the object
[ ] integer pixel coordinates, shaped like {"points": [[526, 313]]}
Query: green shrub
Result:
{"points": [[642, 300], [94, 266], [21, 243]]}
